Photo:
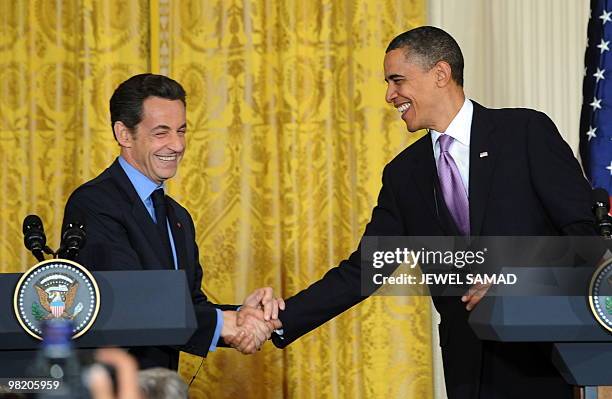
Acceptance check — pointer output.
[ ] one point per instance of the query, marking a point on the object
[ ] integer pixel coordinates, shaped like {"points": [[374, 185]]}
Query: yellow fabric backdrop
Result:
{"points": [[288, 134]]}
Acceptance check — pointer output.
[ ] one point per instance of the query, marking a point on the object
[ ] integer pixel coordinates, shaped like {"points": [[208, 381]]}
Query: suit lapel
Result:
{"points": [[484, 151], [140, 213], [425, 175], [178, 234], [177, 227]]}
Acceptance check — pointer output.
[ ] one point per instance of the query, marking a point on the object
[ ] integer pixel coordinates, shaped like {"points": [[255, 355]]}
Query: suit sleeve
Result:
{"points": [[558, 179], [341, 287], [205, 311]]}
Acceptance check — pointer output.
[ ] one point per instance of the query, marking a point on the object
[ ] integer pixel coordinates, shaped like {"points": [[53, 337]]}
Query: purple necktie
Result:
{"points": [[453, 189]]}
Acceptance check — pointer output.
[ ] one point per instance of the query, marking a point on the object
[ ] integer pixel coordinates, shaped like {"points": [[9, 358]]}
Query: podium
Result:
{"points": [[582, 349], [137, 308]]}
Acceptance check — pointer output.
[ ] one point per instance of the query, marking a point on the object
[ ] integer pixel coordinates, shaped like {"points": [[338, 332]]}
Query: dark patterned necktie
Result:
{"points": [[159, 203]]}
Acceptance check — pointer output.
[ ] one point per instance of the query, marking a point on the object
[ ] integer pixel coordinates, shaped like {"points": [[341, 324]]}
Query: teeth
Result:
{"points": [[403, 108], [167, 157]]}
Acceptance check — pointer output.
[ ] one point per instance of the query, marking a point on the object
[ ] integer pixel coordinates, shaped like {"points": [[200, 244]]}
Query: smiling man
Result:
{"points": [[133, 225], [478, 172], [158, 151]]}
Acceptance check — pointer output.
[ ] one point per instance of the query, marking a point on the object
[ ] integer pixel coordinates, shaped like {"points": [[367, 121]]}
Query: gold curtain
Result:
{"points": [[288, 135]]}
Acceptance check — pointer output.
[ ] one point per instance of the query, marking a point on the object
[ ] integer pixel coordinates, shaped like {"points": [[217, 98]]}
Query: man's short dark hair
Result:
{"points": [[431, 45], [126, 102]]}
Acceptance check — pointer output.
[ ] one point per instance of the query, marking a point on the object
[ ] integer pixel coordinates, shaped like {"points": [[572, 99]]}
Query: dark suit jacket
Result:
{"points": [[122, 236], [529, 184]]}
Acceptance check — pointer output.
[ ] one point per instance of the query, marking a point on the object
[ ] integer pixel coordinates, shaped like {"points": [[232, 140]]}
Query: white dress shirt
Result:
{"points": [[459, 129]]}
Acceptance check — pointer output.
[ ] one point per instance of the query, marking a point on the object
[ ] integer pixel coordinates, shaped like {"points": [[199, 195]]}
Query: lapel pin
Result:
{"points": [[484, 154], [178, 224]]}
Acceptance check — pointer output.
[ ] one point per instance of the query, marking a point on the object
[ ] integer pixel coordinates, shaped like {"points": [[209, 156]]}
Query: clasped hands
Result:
{"points": [[248, 328]]}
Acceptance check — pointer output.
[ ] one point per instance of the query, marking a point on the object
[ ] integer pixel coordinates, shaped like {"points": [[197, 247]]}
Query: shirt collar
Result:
{"points": [[460, 127], [142, 184]]}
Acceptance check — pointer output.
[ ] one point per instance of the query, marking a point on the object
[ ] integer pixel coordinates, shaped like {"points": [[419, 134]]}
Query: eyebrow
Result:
{"points": [[393, 77], [166, 127]]}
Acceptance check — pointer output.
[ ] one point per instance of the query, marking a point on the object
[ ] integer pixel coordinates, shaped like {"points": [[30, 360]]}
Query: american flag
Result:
{"points": [[596, 115]]}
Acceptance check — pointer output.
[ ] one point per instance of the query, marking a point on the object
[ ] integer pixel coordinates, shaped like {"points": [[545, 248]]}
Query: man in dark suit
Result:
{"points": [[132, 224], [478, 172]]}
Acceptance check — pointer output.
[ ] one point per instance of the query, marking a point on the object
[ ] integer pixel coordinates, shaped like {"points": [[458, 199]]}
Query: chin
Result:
{"points": [[412, 129], [164, 175]]}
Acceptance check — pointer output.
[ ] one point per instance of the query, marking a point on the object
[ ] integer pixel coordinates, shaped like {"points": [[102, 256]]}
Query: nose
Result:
{"points": [[391, 93], [177, 142]]}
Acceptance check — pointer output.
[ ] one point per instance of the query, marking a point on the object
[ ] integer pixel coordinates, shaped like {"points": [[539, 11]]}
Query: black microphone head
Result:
{"points": [[32, 222], [33, 233], [73, 238], [601, 198]]}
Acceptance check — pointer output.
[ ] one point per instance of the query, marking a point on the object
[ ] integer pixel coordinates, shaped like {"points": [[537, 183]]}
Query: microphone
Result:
{"points": [[73, 239], [34, 237], [601, 207]]}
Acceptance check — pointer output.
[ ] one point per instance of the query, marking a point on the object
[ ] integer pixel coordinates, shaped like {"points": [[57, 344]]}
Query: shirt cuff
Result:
{"points": [[213, 344]]}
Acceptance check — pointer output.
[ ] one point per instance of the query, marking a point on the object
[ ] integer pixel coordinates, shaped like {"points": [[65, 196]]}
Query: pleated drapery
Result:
{"points": [[288, 132]]}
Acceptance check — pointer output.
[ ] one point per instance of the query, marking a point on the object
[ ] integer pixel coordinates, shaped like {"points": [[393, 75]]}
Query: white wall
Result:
{"points": [[521, 53]]}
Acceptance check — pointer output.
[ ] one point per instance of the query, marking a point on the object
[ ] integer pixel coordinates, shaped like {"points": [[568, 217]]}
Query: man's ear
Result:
{"points": [[123, 134], [443, 73]]}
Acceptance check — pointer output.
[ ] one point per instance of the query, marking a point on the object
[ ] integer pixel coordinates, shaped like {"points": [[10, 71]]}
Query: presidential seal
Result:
{"points": [[600, 295], [56, 289]]}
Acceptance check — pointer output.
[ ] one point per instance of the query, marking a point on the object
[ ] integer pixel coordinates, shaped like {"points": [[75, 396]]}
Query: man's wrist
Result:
{"points": [[229, 323]]}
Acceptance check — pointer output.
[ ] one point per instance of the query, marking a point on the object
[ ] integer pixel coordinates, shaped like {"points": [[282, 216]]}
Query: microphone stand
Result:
{"points": [[605, 227]]}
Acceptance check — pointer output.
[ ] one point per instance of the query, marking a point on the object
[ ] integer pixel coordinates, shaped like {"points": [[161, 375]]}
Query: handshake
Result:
{"points": [[249, 327]]}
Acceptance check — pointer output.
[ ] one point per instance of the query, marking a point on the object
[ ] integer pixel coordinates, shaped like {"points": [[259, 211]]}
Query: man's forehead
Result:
{"points": [[161, 100], [164, 105], [163, 111], [399, 60], [394, 61], [400, 55]]}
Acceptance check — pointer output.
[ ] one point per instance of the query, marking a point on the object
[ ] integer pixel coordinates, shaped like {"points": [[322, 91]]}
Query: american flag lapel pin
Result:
{"points": [[484, 154]]}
